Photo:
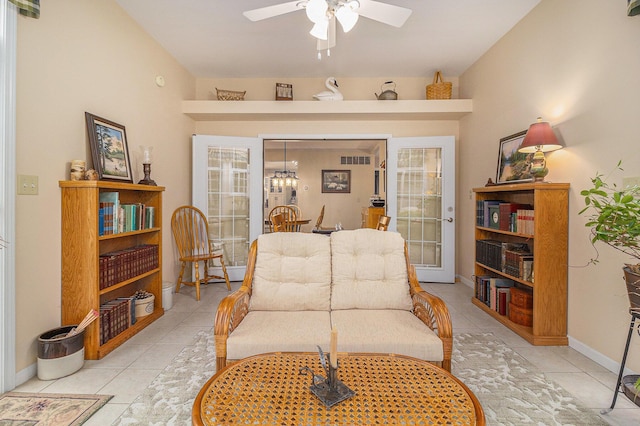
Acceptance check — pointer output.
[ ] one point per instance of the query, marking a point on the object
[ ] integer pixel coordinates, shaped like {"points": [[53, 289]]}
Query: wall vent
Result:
{"points": [[364, 160]]}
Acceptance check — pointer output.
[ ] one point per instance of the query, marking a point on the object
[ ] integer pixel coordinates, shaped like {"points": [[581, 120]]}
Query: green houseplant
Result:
{"points": [[614, 219]]}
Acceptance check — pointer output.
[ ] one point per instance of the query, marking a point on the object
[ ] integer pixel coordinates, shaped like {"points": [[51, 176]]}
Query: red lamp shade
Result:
{"points": [[540, 137]]}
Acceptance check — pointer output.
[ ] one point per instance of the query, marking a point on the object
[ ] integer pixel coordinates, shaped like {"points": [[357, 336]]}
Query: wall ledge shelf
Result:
{"points": [[450, 109]]}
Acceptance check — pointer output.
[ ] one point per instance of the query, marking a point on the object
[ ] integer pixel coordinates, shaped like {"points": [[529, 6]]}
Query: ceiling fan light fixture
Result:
{"points": [[347, 17], [317, 10], [320, 30]]}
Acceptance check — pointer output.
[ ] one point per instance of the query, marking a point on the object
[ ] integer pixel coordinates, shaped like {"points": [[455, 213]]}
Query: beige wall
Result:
{"points": [[86, 56], [574, 63]]}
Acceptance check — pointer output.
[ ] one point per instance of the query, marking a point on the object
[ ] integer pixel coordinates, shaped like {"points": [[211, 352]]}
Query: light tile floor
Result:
{"points": [[127, 371]]}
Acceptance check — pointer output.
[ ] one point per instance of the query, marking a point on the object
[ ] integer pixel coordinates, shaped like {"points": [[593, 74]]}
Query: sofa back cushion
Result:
{"points": [[369, 270], [292, 272]]}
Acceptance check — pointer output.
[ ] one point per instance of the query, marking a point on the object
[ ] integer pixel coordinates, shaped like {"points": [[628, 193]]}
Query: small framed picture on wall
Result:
{"points": [[336, 181]]}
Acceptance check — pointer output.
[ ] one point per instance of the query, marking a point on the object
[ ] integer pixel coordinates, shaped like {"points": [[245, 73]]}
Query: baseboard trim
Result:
{"points": [[576, 344], [26, 374], [597, 357]]}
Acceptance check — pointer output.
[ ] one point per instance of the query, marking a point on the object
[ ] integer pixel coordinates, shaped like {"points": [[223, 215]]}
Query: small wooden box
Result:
{"points": [[520, 315], [522, 298]]}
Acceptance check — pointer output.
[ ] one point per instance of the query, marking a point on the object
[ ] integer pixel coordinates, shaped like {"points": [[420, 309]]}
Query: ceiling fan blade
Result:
{"points": [[382, 12], [271, 11]]}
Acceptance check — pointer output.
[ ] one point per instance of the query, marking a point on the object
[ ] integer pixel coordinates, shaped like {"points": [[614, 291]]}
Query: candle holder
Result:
{"points": [[147, 175], [328, 389]]}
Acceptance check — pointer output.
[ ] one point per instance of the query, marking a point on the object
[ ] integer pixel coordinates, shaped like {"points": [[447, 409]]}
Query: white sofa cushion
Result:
{"points": [[369, 270], [273, 331], [292, 273], [386, 331]]}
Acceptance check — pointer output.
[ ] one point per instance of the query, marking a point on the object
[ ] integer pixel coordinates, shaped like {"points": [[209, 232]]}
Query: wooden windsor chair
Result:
{"points": [[191, 233], [278, 223], [290, 218]]}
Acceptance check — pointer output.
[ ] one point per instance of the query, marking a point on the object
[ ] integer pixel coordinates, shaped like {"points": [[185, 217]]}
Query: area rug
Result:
{"points": [[511, 389], [48, 409]]}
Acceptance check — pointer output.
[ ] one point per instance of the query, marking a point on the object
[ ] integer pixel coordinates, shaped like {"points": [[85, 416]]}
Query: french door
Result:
{"points": [[227, 187], [421, 202], [420, 179]]}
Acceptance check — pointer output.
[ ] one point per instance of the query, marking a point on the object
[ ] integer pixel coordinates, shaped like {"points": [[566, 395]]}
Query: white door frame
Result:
{"points": [[8, 27]]}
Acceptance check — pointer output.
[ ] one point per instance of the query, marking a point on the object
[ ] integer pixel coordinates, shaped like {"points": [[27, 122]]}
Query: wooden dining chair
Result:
{"points": [[191, 233], [290, 218], [320, 218], [278, 223], [383, 223], [297, 209]]}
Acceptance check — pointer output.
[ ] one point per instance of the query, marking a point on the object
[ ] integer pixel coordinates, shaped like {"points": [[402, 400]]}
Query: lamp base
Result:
{"points": [[147, 176], [538, 168]]}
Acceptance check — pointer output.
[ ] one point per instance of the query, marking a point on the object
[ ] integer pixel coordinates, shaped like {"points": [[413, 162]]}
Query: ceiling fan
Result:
{"points": [[323, 15]]}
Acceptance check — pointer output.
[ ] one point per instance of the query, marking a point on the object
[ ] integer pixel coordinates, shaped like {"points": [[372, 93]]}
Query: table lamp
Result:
{"points": [[539, 139]]}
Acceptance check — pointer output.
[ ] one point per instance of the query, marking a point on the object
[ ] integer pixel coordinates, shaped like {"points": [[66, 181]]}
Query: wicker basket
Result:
{"points": [[439, 89], [229, 95]]}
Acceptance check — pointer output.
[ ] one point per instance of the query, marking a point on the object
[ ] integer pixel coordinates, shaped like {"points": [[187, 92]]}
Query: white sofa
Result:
{"points": [[299, 285]]}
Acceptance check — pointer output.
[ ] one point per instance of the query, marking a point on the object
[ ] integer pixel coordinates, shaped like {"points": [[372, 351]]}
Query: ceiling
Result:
{"points": [[212, 39]]}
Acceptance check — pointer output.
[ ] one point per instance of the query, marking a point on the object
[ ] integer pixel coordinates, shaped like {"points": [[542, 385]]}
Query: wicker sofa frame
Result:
{"points": [[428, 308]]}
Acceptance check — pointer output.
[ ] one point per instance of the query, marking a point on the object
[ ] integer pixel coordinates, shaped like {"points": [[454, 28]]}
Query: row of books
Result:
{"points": [[121, 265], [116, 316], [505, 216], [514, 259], [114, 217], [495, 292], [517, 261]]}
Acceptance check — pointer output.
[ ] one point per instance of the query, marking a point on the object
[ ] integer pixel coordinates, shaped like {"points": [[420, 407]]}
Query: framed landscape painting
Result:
{"points": [[336, 181], [109, 149], [513, 166]]}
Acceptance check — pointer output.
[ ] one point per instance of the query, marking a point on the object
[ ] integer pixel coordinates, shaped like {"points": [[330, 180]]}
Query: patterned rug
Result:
{"points": [[511, 390], [48, 409]]}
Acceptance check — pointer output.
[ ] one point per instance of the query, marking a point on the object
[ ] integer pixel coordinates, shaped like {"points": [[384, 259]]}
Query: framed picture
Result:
{"points": [[513, 166], [109, 149], [336, 181]]}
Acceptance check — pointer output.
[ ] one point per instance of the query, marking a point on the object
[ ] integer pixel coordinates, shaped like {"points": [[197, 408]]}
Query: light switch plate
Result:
{"points": [[27, 185]]}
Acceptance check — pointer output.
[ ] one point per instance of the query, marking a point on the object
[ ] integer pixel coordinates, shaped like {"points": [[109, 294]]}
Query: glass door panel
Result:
{"points": [[423, 206], [222, 189]]}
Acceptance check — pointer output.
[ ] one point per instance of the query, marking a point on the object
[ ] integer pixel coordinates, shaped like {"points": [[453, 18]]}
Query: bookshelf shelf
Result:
{"points": [[81, 250], [502, 274], [127, 282], [124, 234], [549, 245]]}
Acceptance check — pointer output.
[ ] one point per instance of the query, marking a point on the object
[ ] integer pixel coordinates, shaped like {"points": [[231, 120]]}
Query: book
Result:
{"points": [[150, 217], [503, 299], [494, 216], [506, 210], [101, 221], [485, 211], [494, 284], [111, 200]]}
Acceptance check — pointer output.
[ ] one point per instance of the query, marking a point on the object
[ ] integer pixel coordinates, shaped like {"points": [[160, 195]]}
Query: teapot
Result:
{"points": [[388, 94]]}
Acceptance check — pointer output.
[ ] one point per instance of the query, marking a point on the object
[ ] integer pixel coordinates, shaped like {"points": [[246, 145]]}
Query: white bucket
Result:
{"points": [[167, 295]]}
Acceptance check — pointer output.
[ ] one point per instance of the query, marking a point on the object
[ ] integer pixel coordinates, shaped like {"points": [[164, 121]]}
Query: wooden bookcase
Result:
{"points": [[549, 243], [82, 246]]}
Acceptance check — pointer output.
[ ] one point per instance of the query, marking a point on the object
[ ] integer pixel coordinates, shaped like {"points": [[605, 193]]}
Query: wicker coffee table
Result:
{"points": [[389, 390]]}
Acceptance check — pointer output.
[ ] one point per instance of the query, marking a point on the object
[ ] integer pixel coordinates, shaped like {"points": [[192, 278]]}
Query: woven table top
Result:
{"points": [[389, 390]]}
